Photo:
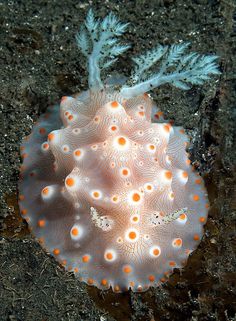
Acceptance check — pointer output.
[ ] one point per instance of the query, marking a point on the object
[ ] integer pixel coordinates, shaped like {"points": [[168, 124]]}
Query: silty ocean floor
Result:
{"points": [[40, 63]]}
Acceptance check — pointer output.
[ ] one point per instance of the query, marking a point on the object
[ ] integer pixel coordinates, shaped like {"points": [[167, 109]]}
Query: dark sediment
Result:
{"points": [[40, 63]]}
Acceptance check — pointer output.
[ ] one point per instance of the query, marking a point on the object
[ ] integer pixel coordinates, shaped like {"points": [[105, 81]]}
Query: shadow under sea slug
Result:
{"points": [[106, 183]]}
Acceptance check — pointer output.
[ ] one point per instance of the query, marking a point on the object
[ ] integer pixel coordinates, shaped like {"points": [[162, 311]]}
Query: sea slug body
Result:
{"points": [[106, 183]]}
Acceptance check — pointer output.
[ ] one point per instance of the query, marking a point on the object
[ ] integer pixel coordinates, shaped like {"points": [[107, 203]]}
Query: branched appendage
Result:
{"points": [[103, 222], [98, 42], [176, 67], [146, 61]]}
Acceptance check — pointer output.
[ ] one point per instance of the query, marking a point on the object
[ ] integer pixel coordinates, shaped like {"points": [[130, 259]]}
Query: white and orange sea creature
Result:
{"points": [[107, 186]]}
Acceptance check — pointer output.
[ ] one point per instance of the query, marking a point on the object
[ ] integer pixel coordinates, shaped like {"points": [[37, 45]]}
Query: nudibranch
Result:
{"points": [[106, 183]]}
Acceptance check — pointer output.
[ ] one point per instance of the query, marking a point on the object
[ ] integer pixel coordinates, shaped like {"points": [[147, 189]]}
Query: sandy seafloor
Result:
{"points": [[39, 64]]}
